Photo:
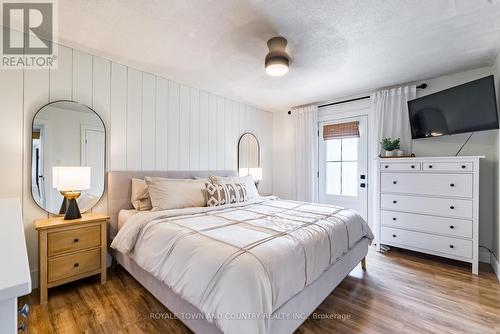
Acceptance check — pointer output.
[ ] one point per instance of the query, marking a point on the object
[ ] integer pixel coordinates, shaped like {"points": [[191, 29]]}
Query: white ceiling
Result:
{"points": [[338, 47]]}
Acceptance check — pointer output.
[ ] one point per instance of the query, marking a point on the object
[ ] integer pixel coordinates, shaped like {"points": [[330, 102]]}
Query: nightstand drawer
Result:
{"points": [[73, 240], [74, 264]]}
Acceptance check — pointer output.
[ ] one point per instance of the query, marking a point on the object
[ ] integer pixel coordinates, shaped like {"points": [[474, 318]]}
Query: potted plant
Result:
{"points": [[389, 145]]}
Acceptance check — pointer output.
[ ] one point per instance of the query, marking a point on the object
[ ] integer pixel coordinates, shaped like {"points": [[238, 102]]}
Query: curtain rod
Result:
{"points": [[422, 86]]}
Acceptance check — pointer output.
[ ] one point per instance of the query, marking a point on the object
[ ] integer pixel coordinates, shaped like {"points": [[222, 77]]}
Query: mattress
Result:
{"points": [[240, 263]]}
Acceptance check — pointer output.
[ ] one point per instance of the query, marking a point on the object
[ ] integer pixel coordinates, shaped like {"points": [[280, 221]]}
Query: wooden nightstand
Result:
{"points": [[70, 250]]}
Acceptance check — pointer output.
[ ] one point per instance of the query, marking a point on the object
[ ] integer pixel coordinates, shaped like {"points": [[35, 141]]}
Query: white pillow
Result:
{"points": [[169, 194], [252, 191]]}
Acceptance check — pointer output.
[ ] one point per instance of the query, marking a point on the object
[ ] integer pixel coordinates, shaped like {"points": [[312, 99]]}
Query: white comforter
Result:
{"points": [[240, 263]]}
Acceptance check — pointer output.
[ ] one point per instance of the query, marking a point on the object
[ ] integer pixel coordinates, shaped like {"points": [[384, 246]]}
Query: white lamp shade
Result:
{"points": [[71, 178], [243, 172], [256, 173]]}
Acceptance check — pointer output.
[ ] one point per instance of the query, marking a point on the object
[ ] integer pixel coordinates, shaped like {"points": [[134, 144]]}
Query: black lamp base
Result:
{"points": [[72, 212], [64, 206]]}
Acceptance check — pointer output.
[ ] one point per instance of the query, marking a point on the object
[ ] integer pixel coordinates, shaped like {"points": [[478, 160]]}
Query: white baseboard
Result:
{"points": [[495, 264]]}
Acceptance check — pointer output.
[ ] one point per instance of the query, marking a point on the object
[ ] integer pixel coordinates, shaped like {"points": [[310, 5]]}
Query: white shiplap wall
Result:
{"points": [[152, 124]]}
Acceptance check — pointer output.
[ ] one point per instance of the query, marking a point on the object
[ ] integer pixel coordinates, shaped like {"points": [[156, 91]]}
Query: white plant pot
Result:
{"points": [[400, 153], [389, 153]]}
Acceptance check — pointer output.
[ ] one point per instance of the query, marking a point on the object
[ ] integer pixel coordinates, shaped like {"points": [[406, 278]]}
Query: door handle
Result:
{"points": [[363, 185]]}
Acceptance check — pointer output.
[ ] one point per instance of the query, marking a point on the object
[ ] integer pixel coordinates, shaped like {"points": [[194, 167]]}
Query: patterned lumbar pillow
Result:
{"points": [[252, 191], [222, 194]]}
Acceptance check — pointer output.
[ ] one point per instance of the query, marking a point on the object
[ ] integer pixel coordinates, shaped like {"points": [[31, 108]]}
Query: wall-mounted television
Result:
{"points": [[466, 108]]}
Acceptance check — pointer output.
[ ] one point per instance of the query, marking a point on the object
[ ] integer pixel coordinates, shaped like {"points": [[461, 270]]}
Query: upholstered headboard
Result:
{"points": [[120, 189]]}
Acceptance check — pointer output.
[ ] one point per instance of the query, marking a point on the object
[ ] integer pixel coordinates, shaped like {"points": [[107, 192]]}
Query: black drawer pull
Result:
{"points": [[76, 240], [464, 166], [452, 207], [76, 264], [394, 218], [451, 246], [394, 202], [393, 235], [452, 184], [452, 227], [412, 166], [386, 166], [394, 182], [430, 166]]}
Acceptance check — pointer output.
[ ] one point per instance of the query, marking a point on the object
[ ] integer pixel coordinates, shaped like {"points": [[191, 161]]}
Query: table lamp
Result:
{"points": [[70, 181], [255, 172], [243, 172], [256, 175]]}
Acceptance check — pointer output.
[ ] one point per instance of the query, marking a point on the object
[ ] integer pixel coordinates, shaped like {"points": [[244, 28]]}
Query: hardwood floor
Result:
{"points": [[401, 292]]}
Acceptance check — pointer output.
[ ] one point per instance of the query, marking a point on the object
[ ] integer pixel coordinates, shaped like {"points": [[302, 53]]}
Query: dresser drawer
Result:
{"points": [[73, 240], [400, 166], [455, 208], [448, 166], [74, 264], [430, 224], [427, 242], [456, 185]]}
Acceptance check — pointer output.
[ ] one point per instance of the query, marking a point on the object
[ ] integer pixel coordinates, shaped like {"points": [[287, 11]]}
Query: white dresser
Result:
{"points": [[431, 205], [15, 280]]}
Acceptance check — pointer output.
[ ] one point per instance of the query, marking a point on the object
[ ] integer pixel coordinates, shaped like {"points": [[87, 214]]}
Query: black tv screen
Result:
{"points": [[466, 108]]}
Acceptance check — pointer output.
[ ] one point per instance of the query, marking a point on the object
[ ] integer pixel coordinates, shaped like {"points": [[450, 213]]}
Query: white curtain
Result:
{"points": [[388, 118], [305, 121]]}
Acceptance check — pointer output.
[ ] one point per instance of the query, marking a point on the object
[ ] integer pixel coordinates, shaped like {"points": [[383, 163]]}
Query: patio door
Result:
{"points": [[343, 163]]}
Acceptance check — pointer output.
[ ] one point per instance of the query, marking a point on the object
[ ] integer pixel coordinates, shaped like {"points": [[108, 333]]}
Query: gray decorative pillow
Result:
{"points": [[222, 194]]}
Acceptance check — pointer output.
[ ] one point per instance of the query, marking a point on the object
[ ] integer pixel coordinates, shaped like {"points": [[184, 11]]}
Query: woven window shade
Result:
{"points": [[342, 130]]}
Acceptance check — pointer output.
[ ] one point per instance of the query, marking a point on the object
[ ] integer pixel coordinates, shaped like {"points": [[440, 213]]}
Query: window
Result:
{"points": [[342, 166]]}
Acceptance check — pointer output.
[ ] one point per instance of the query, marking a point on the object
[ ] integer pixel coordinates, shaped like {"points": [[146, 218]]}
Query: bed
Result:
{"points": [[261, 266]]}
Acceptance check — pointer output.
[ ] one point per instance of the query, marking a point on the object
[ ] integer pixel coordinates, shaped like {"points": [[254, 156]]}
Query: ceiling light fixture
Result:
{"points": [[277, 59]]}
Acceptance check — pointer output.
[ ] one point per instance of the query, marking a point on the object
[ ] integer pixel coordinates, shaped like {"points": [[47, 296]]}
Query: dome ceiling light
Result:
{"points": [[277, 59]]}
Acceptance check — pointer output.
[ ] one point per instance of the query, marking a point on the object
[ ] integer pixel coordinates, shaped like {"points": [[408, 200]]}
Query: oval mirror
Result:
{"points": [[67, 134], [248, 153]]}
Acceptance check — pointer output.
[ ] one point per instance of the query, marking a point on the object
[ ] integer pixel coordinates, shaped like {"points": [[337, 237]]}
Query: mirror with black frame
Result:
{"points": [[249, 157], [66, 134]]}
